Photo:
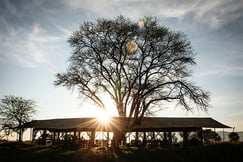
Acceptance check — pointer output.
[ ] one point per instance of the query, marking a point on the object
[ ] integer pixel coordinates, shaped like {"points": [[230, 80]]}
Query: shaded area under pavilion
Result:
{"points": [[152, 130]]}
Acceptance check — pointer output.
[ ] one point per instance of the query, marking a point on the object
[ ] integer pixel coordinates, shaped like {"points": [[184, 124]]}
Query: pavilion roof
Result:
{"points": [[178, 123], [147, 124]]}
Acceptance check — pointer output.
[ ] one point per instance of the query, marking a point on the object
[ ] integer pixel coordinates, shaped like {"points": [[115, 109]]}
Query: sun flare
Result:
{"points": [[103, 116]]}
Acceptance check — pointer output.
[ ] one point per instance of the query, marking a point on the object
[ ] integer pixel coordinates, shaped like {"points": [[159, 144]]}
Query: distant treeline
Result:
{"points": [[225, 135]]}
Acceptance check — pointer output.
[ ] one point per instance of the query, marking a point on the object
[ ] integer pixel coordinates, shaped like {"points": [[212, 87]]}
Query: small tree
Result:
{"points": [[234, 137], [14, 112]]}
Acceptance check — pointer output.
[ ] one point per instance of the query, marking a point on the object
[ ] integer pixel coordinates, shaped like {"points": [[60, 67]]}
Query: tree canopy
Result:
{"points": [[234, 137], [14, 112], [138, 64], [209, 136]]}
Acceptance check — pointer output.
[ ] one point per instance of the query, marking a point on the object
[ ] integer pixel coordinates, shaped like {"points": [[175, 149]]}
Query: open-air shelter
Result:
{"points": [[151, 129]]}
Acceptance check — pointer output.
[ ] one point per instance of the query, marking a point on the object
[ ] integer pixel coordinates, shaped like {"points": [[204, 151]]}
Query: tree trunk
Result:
{"points": [[118, 138], [20, 133], [120, 129]]}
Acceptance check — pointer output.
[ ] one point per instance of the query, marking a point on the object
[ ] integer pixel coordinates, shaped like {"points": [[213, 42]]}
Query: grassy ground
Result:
{"points": [[14, 152]]}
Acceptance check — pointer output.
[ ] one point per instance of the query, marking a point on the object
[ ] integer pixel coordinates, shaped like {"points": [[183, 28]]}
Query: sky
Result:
{"points": [[34, 48]]}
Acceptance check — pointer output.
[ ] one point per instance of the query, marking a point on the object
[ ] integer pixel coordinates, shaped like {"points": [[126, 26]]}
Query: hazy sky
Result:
{"points": [[34, 48]]}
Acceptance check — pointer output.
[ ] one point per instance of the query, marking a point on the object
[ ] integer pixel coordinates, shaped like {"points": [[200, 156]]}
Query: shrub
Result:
{"points": [[234, 137]]}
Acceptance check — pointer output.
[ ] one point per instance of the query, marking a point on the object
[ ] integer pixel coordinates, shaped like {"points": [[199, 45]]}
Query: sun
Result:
{"points": [[103, 116]]}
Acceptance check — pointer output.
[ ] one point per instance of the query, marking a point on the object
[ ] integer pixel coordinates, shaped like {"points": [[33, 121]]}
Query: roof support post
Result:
{"points": [[107, 139], [185, 138], [223, 134], [33, 135], [165, 138], [200, 132], [170, 139], [136, 138], [144, 138], [92, 139], [79, 133], [54, 137], [58, 136]]}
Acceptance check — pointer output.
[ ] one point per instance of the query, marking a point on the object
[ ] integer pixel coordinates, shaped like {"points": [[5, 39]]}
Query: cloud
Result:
{"points": [[40, 35], [11, 8], [33, 33], [132, 9], [212, 13], [65, 32], [236, 114], [28, 31], [228, 106], [218, 12], [228, 100], [222, 71], [25, 48]]}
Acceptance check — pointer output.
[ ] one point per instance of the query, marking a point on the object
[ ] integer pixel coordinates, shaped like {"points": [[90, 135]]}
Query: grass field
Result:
{"points": [[26, 152]]}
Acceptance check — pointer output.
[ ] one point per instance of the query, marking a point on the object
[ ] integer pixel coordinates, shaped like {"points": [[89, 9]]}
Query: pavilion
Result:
{"points": [[151, 129]]}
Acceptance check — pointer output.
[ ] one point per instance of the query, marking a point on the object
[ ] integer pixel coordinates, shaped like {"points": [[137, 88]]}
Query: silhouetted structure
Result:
{"points": [[152, 131]]}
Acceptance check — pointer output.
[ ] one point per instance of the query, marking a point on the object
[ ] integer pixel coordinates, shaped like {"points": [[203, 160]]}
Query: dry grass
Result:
{"points": [[14, 152]]}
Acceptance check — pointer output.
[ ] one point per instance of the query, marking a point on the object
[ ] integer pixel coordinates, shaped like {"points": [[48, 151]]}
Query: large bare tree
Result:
{"points": [[138, 64]]}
